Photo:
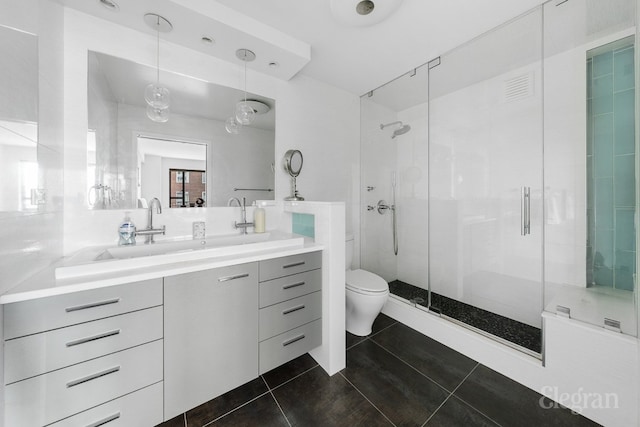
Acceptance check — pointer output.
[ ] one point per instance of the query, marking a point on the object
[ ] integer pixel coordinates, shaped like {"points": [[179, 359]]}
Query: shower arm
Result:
{"points": [[391, 124]]}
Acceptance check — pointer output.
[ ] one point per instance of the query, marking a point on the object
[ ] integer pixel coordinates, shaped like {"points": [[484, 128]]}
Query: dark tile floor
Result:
{"points": [[395, 376]]}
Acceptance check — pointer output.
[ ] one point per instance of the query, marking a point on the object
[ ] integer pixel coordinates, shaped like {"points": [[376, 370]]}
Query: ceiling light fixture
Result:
{"points": [[244, 113], [157, 96], [362, 13], [109, 4]]}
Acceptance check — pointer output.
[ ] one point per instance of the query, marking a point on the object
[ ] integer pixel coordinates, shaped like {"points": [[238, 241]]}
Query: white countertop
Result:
{"points": [[45, 284]]}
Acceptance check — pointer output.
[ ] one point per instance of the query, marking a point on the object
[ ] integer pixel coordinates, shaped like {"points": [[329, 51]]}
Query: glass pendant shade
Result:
{"points": [[157, 96], [159, 115], [244, 113], [232, 126]]}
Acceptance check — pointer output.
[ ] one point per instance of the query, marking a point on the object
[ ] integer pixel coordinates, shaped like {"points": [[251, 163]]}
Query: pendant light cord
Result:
{"points": [[245, 77], [158, 52]]}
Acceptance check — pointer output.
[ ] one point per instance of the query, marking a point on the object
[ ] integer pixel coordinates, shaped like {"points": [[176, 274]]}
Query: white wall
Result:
{"points": [[318, 119], [31, 240]]}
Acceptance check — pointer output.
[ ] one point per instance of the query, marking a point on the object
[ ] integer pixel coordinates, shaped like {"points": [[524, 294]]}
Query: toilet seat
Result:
{"points": [[365, 282]]}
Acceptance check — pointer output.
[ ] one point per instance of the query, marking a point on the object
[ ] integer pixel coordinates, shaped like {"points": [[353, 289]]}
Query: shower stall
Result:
{"points": [[515, 188]]}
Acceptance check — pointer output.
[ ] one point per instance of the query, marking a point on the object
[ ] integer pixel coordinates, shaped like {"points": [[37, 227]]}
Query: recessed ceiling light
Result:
{"points": [[208, 40], [273, 64], [110, 4], [365, 7]]}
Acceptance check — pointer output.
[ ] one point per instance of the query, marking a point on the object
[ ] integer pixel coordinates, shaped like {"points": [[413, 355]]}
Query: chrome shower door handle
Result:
{"points": [[525, 210], [383, 207]]}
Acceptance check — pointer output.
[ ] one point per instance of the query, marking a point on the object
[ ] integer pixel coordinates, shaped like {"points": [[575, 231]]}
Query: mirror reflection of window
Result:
{"points": [[183, 183], [181, 166]]}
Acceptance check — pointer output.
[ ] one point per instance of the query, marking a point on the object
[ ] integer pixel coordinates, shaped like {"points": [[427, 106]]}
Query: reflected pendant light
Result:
{"points": [[157, 96], [244, 112], [232, 126]]}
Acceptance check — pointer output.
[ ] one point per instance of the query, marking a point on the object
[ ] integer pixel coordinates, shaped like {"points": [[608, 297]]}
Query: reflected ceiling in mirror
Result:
{"points": [[117, 118]]}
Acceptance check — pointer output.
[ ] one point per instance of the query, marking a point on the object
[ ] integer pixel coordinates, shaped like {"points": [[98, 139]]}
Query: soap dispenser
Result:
{"points": [[258, 220], [127, 231]]}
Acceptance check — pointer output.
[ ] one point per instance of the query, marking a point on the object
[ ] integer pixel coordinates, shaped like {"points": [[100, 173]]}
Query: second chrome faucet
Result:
{"points": [[150, 232], [243, 224]]}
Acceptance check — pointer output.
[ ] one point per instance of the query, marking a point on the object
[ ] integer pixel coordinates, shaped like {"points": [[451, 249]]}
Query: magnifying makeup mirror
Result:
{"points": [[293, 166]]}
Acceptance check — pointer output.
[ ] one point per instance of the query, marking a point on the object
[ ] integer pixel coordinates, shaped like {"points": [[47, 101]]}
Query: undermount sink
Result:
{"points": [[166, 247], [117, 258]]}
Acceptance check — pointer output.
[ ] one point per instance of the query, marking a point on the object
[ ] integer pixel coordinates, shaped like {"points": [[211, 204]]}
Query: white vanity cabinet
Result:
{"points": [[211, 334], [290, 308], [89, 356]]}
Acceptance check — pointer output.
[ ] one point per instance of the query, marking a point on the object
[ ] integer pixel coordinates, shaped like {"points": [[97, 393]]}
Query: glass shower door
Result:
{"points": [[485, 182]]}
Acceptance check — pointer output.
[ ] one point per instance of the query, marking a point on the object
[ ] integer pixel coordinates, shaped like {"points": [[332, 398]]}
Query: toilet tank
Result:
{"points": [[348, 251]]}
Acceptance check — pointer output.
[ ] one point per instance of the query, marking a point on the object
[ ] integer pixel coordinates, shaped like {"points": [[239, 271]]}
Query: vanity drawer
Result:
{"points": [[51, 397], [47, 351], [286, 266], [289, 345], [288, 287], [290, 314], [44, 314], [141, 408]]}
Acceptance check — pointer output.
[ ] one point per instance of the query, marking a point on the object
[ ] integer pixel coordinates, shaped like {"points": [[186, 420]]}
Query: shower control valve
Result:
{"points": [[383, 207]]}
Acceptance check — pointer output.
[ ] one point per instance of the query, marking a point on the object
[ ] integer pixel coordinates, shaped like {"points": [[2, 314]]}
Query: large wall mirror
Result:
{"points": [[18, 120], [188, 161]]}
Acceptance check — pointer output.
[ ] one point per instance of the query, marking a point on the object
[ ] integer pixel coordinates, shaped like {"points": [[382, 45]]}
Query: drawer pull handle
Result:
{"points": [[291, 310], [292, 340], [295, 264], [293, 285], [105, 420], [93, 338], [92, 305], [237, 276], [92, 376]]}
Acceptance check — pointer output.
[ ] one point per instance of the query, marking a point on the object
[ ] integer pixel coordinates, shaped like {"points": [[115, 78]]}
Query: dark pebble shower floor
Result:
{"points": [[511, 330]]}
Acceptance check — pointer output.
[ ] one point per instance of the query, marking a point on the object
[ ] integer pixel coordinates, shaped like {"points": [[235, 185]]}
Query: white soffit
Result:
{"points": [[194, 19]]}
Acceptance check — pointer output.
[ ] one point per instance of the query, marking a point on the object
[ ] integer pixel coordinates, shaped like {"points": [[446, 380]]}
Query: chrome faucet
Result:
{"points": [[234, 199], [244, 224], [149, 232]]}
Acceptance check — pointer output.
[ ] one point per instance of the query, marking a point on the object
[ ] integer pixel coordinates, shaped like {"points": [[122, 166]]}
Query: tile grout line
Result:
{"points": [[411, 366], [371, 335], [367, 399], [290, 379], [451, 394], [280, 407], [276, 400], [234, 409]]}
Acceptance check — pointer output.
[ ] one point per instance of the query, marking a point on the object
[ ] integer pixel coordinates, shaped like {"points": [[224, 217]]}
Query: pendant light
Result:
{"points": [[157, 96], [244, 112], [232, 126]]}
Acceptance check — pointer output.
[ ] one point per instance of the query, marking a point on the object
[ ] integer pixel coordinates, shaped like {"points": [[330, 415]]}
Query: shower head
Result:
{"points": [[404, 129], [400, 131]]}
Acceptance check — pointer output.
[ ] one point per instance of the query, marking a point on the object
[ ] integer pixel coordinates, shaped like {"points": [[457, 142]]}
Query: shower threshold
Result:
{"points": [[515, 334]]}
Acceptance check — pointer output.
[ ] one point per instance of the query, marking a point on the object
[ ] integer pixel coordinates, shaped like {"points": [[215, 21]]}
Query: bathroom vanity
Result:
{"points": [[142, 345]]}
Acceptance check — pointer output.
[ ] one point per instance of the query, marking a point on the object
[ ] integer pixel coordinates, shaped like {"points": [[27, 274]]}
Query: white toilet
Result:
{"points": [[366, 294]]}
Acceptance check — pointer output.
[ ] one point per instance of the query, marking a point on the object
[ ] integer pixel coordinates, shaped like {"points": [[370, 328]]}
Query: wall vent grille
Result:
{"points": [[517, 88]]}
